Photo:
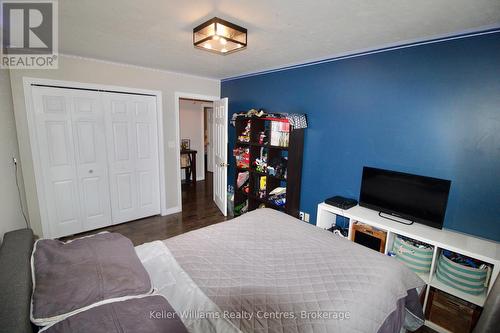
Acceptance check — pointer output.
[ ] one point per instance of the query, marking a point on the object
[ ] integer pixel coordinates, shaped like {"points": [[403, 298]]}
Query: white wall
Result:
{"points": [[191, 127], [10, 212], [107, 73]]}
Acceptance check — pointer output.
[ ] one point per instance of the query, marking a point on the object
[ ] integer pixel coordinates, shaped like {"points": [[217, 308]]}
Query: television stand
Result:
{"points": [[395, 218], [485, 250]]}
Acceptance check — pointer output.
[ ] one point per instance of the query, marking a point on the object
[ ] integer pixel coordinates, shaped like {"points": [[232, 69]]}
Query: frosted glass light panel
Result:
{"points": [[219, 36]]}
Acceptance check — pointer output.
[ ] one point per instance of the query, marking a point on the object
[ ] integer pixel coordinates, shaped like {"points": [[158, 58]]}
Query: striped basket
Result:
{"points": [[417, 259], [467, 279]]}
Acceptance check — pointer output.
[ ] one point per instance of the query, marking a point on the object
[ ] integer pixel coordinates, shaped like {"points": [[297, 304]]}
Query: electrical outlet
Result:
{"points": [[306, 217]]}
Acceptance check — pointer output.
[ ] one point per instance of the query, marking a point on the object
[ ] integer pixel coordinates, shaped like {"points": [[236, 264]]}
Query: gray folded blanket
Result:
{"points": [[70, 277]]}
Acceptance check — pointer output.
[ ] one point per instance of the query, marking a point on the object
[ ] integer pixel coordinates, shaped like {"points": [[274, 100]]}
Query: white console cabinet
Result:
{"points": [[481, 249]]}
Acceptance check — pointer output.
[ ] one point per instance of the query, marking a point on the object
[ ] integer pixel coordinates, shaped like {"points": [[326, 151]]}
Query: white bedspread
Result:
{"points": [[196, 310]]}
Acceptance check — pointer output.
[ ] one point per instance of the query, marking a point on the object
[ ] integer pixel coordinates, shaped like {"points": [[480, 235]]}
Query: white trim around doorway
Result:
{"points": [[178, 97]]}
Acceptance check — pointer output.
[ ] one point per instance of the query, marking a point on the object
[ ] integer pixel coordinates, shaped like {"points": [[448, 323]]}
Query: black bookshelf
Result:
{"points": [[292, 150]]}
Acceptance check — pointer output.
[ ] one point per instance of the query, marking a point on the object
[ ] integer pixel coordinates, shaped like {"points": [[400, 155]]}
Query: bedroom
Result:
{"points": [[395, 85]]}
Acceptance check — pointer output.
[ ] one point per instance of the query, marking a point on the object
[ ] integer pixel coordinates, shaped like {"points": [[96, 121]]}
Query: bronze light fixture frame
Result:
{"points": [[214, 36]]}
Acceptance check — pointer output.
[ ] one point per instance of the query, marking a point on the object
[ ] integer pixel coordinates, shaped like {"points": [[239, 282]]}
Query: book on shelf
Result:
{"points": [[280, 133]]}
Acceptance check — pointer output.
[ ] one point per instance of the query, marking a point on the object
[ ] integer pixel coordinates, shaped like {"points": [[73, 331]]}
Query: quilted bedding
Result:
{"points": [[269, 272]]}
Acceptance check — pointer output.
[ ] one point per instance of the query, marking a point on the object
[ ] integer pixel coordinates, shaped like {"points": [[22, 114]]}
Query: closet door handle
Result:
{"points": [[91, 171]]}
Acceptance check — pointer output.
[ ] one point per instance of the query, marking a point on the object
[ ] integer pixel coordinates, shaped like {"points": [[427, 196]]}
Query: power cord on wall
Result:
{"points": [[28, 226]]}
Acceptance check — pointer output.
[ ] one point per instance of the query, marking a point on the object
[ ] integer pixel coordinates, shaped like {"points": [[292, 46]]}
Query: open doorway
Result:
{"points": [[202, 142], [194, 130]]}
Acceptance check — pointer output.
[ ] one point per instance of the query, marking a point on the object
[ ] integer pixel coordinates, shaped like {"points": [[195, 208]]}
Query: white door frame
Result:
{"points": [[37, 166], [177, 98], [210, 130]]}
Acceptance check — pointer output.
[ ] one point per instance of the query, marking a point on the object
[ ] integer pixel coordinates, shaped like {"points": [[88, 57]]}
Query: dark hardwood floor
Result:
{"points": [[198, 211]]}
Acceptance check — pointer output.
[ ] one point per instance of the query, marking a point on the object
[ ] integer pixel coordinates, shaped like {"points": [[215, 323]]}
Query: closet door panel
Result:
{"points": [[124, 187], [121, 161], [91, 159], [93, 207], [146, 189], [66, 198], [58, 142], [121, 142], [55, 147], [131, 132], [72, 150], [87, 146], [147, 172]]}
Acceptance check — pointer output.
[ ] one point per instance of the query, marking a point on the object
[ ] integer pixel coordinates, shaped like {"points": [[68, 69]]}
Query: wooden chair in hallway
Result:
{"points": [[188, 163]]}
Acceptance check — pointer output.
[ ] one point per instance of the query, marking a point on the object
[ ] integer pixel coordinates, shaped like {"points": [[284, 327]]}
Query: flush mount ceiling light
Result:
{"points": [[219, 36]]}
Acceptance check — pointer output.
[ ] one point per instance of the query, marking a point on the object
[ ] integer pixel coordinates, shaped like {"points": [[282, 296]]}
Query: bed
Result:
{"points": [[268, 272], [268, 263]]}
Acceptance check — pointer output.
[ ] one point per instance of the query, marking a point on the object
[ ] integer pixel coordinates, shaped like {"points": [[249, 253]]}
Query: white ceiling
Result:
{"points": [[158, 33]]}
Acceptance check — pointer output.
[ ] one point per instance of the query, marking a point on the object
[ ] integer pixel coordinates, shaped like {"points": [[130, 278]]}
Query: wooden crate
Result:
{"points": [[450, 312], [369, 236]]}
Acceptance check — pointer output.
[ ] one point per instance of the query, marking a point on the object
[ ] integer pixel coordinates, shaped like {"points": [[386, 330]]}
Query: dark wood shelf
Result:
{"points": [[260, 173], [293, 153], [265, 145]]}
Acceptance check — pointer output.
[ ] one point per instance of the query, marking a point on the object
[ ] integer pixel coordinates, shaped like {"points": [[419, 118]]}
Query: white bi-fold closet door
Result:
{"points": [[98, 155], [132, 142], [72, 148]]}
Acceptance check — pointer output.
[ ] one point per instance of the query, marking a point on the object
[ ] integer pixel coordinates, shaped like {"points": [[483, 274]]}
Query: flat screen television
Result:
{"points": [[416, 198]]}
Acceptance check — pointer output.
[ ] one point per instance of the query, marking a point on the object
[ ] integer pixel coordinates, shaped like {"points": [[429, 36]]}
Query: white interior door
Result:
{"points": [[132, 139], [71, 146], [220, 154], [210, 146]]}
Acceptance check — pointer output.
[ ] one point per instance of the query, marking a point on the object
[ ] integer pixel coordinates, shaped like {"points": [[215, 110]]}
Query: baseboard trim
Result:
{"points": [[172, 210]]}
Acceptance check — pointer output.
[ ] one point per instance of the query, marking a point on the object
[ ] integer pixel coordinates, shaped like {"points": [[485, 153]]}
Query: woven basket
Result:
{"points": [[417, 259], [467, 279]]}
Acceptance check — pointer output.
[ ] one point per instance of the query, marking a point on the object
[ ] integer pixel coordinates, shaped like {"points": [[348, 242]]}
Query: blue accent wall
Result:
{"points": [[431, 109]]}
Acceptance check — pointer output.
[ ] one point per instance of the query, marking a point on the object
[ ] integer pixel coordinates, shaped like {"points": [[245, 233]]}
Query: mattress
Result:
{"points": [[269, 272]]}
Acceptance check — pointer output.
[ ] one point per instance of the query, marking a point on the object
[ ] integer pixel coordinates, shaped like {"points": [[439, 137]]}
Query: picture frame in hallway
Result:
{"points": [[185, 144]]}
